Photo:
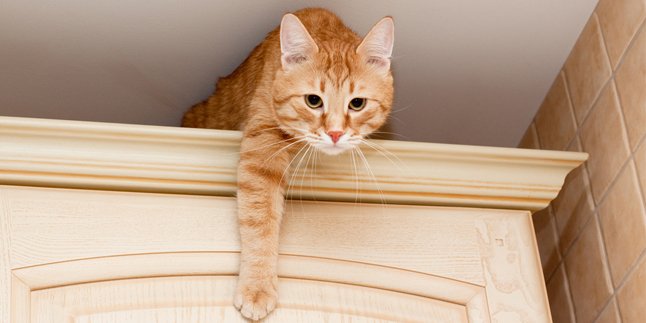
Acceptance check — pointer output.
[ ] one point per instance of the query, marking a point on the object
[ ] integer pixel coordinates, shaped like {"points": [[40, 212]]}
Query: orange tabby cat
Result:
{"points": [[313, 82]]}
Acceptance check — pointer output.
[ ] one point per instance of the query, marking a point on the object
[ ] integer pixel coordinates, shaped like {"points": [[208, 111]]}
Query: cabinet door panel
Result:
{"points": [[482, 261], [208, 299]]}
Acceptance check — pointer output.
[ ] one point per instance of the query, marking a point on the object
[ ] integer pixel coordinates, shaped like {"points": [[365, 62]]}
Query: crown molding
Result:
{"points": [[105, 156]]}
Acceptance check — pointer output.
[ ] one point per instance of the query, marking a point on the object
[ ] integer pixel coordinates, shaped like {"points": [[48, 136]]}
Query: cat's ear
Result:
{"points": [[296, 44], [377, 46]]}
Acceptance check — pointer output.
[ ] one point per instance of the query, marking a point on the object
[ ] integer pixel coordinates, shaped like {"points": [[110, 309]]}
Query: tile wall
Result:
{"points": [[592, 238]]}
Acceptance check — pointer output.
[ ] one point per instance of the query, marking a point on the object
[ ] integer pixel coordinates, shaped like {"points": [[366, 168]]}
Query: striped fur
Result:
{"points": [[266, 100]]}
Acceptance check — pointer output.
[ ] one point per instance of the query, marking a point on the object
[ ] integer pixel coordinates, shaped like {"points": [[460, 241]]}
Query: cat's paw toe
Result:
{"points": [[255, 303]]}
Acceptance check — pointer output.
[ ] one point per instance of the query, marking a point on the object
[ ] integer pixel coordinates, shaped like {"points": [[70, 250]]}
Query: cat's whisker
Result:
{"points": [[307, 162], [382, 151], [289, 172], [356, 176], [283, 148], [313, 169], [298, 139], [271, 102], [396, 118], [374, 178], [402, 109], [295, 174], [269, 129], [289, 181], [287, 169]]}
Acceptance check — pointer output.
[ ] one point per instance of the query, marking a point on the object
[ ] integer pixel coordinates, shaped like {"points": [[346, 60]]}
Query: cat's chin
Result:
{"points": [[333, 150]]}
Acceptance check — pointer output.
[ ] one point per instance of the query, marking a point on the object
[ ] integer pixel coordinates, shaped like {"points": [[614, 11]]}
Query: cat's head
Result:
{"points": [[334, 93]]}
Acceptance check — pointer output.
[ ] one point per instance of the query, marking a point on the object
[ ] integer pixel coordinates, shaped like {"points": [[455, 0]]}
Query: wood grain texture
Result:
{"points": [[226, 263], [65, 236], [512, 270], [207, 299], [51, 225], [5, 263], [20, 301], [92, 229], [91, 155]]}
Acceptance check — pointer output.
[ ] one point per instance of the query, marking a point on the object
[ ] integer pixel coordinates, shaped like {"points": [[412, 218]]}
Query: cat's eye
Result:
{"points": [[313, 101], [357, 104]]}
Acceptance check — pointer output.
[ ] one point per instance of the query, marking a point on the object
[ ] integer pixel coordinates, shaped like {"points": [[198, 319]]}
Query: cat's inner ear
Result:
{"points": [[377, 46], [296, 44]]}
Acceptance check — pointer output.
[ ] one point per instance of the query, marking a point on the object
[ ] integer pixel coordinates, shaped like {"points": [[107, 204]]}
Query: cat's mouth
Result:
{"points": [[325, 144], [333, 149]]}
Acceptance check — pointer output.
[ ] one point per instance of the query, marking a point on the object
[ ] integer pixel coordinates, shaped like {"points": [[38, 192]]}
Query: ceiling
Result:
{"points": [[466, 72]]}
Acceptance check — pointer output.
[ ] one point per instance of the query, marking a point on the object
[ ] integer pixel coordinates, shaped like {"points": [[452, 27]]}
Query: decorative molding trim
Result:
{"points": [[91, 270], [202, 264], [91, 155]]}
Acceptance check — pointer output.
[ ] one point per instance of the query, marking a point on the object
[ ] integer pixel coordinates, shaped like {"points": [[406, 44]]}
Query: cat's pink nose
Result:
{"points": [[335, 135]]}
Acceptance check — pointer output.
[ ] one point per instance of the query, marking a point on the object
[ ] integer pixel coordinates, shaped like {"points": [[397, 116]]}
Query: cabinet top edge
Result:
{"points": [[88, 129], [142, 158]]}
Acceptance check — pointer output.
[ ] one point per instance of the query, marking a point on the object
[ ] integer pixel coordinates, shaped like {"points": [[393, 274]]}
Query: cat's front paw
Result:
{"points": [[255, 299]]}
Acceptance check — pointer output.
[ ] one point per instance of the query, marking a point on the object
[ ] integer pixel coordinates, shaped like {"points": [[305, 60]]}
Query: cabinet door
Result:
{"points": [[95, 256]]}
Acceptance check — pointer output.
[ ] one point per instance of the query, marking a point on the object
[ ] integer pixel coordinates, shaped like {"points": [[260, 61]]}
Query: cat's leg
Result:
{"points": [[260, 209]]}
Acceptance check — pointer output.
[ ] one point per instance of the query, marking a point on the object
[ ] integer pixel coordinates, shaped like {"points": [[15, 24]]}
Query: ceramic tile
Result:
{"points": [[587, 274], [546, 240], [603, 137], [573, 207], [622, 219], [587, 68], [558, 294], [554, 122], [640, 162], [631, 83], [530, 139], [610, 314], [620, 20], [631, 298]]}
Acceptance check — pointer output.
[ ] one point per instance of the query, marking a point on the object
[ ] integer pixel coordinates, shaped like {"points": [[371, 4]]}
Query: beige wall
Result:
{"points": [[592, 238]]}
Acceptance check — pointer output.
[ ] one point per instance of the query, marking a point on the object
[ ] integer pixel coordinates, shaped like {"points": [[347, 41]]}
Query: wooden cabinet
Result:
{"points": [[118, 223]]}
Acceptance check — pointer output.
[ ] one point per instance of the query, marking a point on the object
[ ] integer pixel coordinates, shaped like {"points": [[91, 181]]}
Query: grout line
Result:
{"points": [[612, 75], [555, 232], [604, 250], [587, 190], [641, 190], [604, 256], [569, 291], [626, 142], [595, 210], [631, 44], [567, 250], [555, 237], [604, 43], [625, 49], [605, 83], [604, 307], [622, 280], [641, 258], [570, 107], [613, 181], [641, 141]]}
